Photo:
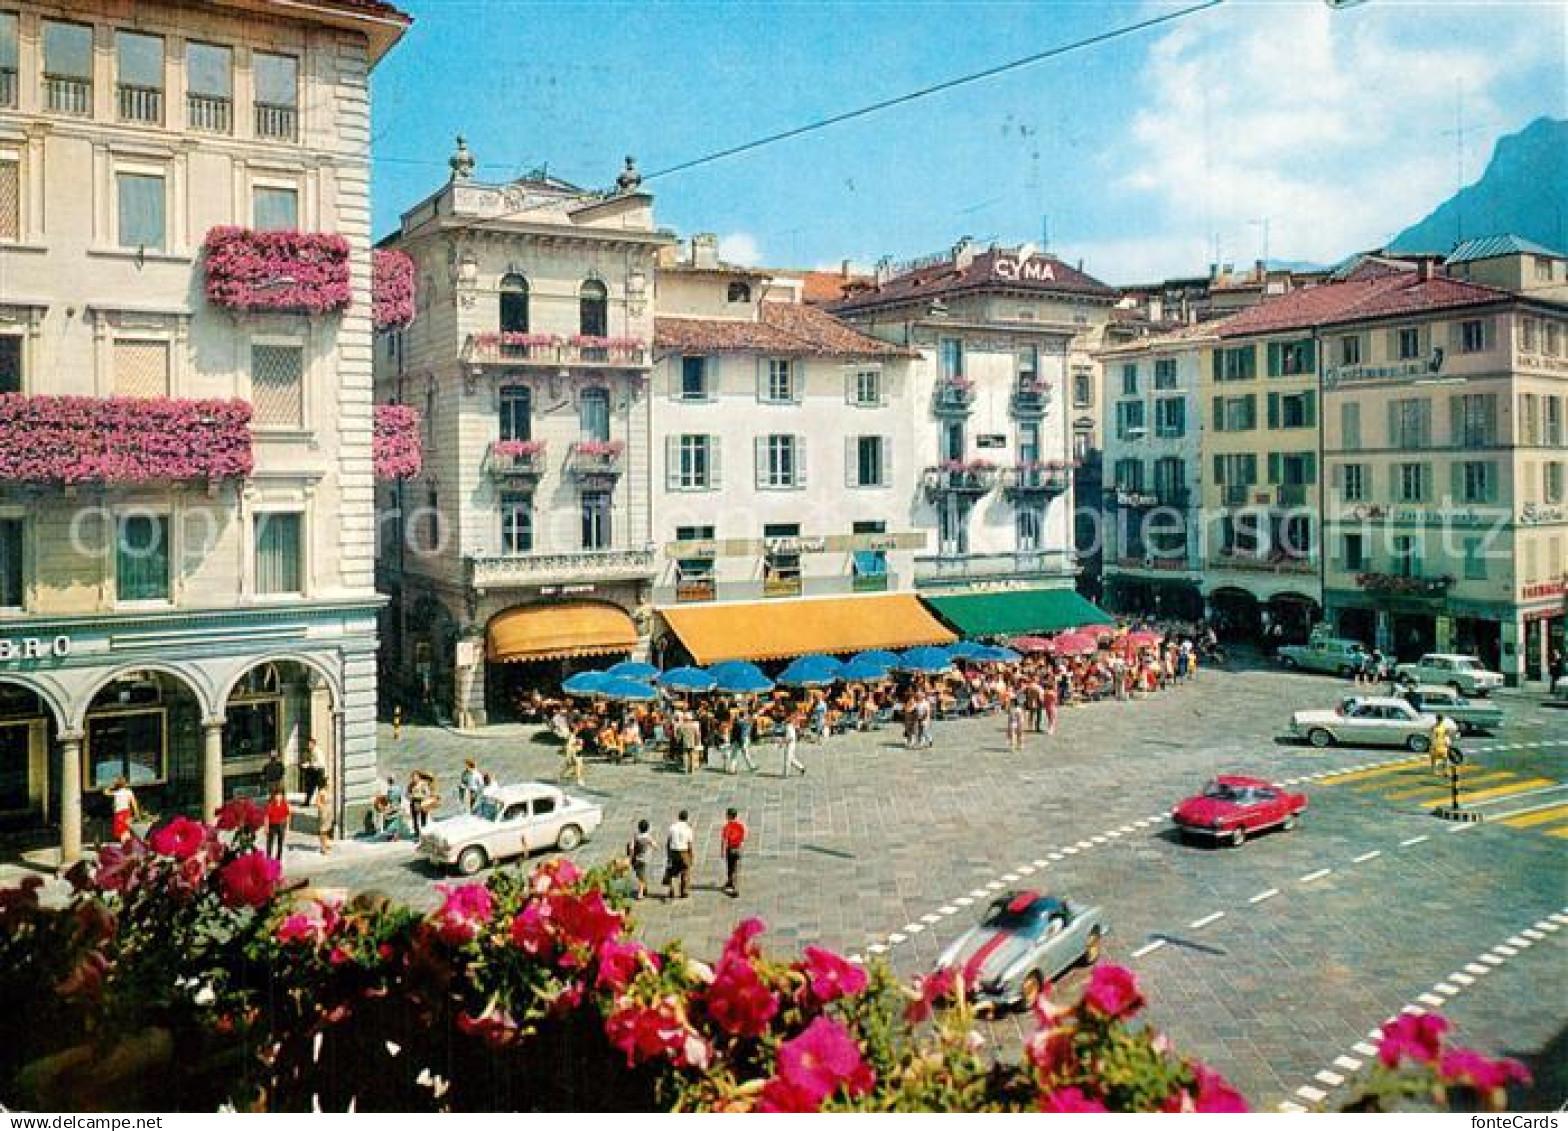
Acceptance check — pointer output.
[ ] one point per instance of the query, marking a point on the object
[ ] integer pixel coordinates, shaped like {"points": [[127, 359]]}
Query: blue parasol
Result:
{"points": [[863, 671], [968, 650], [876, 656], [627, 690], [996, 654], [686, 680], [811, 671], [586, 684], [739, 677], [633, 669], [925, 661]]}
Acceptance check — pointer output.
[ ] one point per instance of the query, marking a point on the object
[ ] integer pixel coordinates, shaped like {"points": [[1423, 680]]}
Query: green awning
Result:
{"points": [[1013, 612]]}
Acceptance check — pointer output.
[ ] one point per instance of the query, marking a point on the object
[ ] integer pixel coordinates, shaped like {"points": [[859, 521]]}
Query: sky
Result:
{"points": [[1277, 125]]}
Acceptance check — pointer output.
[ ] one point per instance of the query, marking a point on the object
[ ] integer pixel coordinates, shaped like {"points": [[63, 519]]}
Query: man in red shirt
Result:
{"points": [[277, 823], [732, 837]]}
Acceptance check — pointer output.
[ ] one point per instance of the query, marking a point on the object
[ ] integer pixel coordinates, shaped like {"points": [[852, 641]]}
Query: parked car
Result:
{"points": [[1024, 940], [1232, 808], [1463, 673], [1560, 689], [1472, 715], [510, 820], [1325, 654], [1367, 721]]}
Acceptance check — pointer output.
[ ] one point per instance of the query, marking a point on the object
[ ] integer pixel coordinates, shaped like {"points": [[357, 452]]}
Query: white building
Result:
{"points": [[175, 615]]}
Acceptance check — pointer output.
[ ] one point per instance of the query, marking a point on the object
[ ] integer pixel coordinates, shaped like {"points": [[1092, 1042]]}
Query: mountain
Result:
{"points": [[1524, 191]]}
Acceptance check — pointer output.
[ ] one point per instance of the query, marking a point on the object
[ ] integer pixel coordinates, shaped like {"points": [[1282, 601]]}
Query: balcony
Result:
{"points": [[1159, 562], [596, 462], [953, 478], [1290, 495], [515, 462], [209, 115], [1236, 496], [1033, 479], [547, 350], [1031, 398], [953, 396], [66, 95], [275, 122], [140, 104], [1255, 563], [1402, 585], [959, 569], [506, 571]]}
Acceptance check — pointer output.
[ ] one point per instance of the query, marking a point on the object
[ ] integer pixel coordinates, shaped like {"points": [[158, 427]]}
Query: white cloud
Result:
{"points": [[1330, 124], [740, 248]]}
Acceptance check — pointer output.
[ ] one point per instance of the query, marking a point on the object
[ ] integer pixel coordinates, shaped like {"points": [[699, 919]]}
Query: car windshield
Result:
{"points": [[1006, 915], [1466, 665], [1219, 791], [488, 809]]}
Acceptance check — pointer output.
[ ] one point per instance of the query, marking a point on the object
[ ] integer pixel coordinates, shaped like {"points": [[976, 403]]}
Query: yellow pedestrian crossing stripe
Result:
{"points": [[1380, 771], [1470, 795], [1563, 832], [1496, 777], [1539, 817]]}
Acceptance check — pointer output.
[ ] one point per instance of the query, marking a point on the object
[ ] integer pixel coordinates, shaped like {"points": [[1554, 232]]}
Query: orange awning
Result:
{"points": [[566, 628], [777, 630]]}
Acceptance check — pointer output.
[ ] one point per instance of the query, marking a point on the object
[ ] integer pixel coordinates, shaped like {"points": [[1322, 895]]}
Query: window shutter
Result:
{"points": [[762, 378], [761, 443], [1309, 408], [1309, 463], [1489, 416], [715, 463], [797, 380], [1219, 364], [1251, 413], [886, 444], [1456, 336], [1219, 471], [672, 463], [851, 461], [1456, 420], [1273, 410], [1493, 486], [1276, 358], [851, 381], [1424, 415], [800, 461], [1219, 414], [1274, 468], [1391, 344], [1338, 473], [1393, 424], [1456, 487], [1310, 352], [1488, 333], [1425, 494]]}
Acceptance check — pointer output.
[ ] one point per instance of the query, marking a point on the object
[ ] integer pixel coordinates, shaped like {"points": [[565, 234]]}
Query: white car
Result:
{"points": [[1560, 689], [510, 820], [1367, 721], [1463, 673]]}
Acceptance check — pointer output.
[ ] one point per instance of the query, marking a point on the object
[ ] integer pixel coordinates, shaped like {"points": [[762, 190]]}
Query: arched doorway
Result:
{"points": [[278, 706], [143, 725], [1295, 614], [1236, 615], [29, 791]]}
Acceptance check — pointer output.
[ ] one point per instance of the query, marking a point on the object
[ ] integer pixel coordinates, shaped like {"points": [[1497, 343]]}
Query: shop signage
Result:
{"points": [[34, 648], [1025, 270], [1416, 367], [991, 440], [1134, 499], [1543, 589], [1447, 517], [806, 545], [564, 590], [1534, 514]]}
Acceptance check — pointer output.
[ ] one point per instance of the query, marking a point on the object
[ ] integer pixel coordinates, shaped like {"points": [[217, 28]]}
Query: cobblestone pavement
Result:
{"points": [[1270, 961]]}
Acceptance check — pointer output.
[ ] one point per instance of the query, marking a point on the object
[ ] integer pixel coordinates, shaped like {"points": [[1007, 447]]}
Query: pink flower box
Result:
{"points": [[391, 290], [598, 449], [277, 272], [71, 440], [395, 442], [518, 449]]}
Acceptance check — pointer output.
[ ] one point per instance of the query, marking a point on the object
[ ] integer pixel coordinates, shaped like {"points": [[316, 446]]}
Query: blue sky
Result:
{"points": [[1336, 126]]}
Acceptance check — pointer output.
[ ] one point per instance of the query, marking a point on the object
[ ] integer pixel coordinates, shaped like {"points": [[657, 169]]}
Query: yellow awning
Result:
{"points": [[567, 628], [777, 630]]}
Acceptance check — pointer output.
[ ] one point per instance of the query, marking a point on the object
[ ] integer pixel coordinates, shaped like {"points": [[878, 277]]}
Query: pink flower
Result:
{"points": [[620, 962], [397, 449], [241, 813], [832, 977], [181, 838], [1050, 1050], [249, 880], [780, 1097], [391, 289], [1113, 992], [1413, 1035], [495, 1026], [1215, 1093], [1466, 1066], [585, 920], [120, 866], [645, 1032], [1070, 1101], [291, 272], [463, 912], [741, 942], [933, 989], [557, 873], [822, 1060], [532, 931], [312, 925], [738, 1001]]}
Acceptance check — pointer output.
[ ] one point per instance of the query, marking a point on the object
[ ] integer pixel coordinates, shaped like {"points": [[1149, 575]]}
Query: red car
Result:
{"points": [[1231, 808]]}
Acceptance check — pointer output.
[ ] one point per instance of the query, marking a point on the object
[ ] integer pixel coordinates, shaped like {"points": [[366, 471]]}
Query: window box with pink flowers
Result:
{"points": [[391, 290], [251, 272], [395, 443], [521, 460], [595, 458]]}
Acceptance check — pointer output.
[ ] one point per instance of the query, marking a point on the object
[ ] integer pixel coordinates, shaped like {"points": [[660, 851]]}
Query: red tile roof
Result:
{"points": [[782, 328], [822, 288], [1383, 296], [945, 278]]}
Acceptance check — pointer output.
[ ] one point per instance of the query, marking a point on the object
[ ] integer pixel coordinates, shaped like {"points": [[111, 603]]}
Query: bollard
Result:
{"points": [[397, 722]]}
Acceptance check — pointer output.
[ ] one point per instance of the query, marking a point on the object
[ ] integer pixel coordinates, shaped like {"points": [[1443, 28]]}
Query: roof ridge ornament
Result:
{"points": [[462, 161], [630, 179]]}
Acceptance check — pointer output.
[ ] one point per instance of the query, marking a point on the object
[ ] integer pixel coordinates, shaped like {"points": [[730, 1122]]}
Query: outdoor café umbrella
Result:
{"points": [[996, 654], [876, 656], [1144, 638], [1031, 643], [863, 671], [811, 671], [967, 650], [586, 684], [633, 669], [739, 677], [925, 661], [627, 690], [1071, 644], [686, 680]]}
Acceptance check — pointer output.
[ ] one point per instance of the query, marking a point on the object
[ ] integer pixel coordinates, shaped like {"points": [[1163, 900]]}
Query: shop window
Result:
{"points": [[593, 302], [12, 574], [781, 573], [695, 577], [129, 744], [279, 554]]}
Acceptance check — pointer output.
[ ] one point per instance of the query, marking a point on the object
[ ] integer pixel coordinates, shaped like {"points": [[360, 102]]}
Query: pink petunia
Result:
{"points": [[249, 880], [738, 1001], [464, 910], [1113, 992], [1070, 1101], [1418, 1036], [181, 838], [620, 962], [822, 1060], [1466, 1066], [830, 976]]}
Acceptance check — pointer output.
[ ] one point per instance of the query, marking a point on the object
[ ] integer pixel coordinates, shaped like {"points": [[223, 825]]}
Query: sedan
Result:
{"points": [[1231, 808], [1369, 721], [511, 820], [1471, 715], [1024, 940]]}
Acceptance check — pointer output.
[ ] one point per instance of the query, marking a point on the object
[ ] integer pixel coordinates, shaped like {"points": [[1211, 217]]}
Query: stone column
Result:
{"points": [[211, 767], [70, 797]]}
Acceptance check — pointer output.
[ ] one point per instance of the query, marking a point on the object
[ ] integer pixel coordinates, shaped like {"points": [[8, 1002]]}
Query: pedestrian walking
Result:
{"points": [[272, 773], [911, 727], [1015, 727], [678, 842], [469, 785], [819, 718], [639, 850], [740, 744], [791, 741], [922, 721], [1049, 702], [1034, 698], [421, 800], [326, 818], [125, 808], [311, 775], [277, 814], [572, 758], [732, 841]]}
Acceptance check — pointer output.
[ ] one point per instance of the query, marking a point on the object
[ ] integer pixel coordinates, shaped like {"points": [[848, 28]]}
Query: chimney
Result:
{"points": [[1214, 271], [964, 252], [843, 268], [884, 270], [1260, 270], [705, 250], [1425, 270]]}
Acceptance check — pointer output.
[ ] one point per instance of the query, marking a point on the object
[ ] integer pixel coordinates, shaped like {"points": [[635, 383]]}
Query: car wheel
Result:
{"points": [[571, 836], [1238, 836], [1346, 672], [471, 859], [1290, 822], [1320, 737], [1034, 985], [1287, 663], [1456, 689], [1418, 743], [1091, 950]]}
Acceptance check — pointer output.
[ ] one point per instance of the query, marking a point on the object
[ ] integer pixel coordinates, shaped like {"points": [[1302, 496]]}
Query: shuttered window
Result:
{"points": [[10, 199], [277, 379], [141, 369]]}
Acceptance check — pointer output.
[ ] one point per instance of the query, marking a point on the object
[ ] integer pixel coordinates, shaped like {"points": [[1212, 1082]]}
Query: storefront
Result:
{"points": [[1018, 612], [777, 630], [535, 648], [1543, 618]]}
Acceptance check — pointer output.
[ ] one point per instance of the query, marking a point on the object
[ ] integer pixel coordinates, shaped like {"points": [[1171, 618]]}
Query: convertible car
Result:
{"points": [[1023, 941], [1232, 808]]}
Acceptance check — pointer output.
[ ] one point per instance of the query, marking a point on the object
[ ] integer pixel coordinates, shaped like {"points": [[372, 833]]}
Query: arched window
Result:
{"points": [[516, 413], [594, 302], [740, 292], [514, 305], [593, 407]]}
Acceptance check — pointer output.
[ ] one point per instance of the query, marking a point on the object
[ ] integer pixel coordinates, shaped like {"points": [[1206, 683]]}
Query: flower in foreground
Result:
{"points": [[831, 976], [249, 880], [738, 1000], [181, 838], [464, 910], [1466, 1066], [1416, 1036], [1113, 992], [1065, 1101], [821, 1061]]}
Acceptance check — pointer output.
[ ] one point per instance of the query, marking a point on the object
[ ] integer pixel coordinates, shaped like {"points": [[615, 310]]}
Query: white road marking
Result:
{"points": [[1504, 949], [1430, 999], [1492, 960], [1477, 968], [1365, 856], [1348, 1063], [978, 893], [1125, 829], [1206, 920], [1292, 1109], [930, 920], [1462, 979], [1270, 893], [1532, 933], [913, 928], [963, 901], [1414, 840], [1098, 840], [1447, 989], [1310, 1094], [876, 948], [1364, 1049], [1042, 863], [946, 909], [994, 885], [1110, 834], [1009, 878], [895, 938], [1414, 1011], [1548, 925], [1332, 1079], [1318, 875], [1056, 856], [857, 960], [1083, 844], [1148, 948], [1025, 869], [1519, 941], [1070, 851]]}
